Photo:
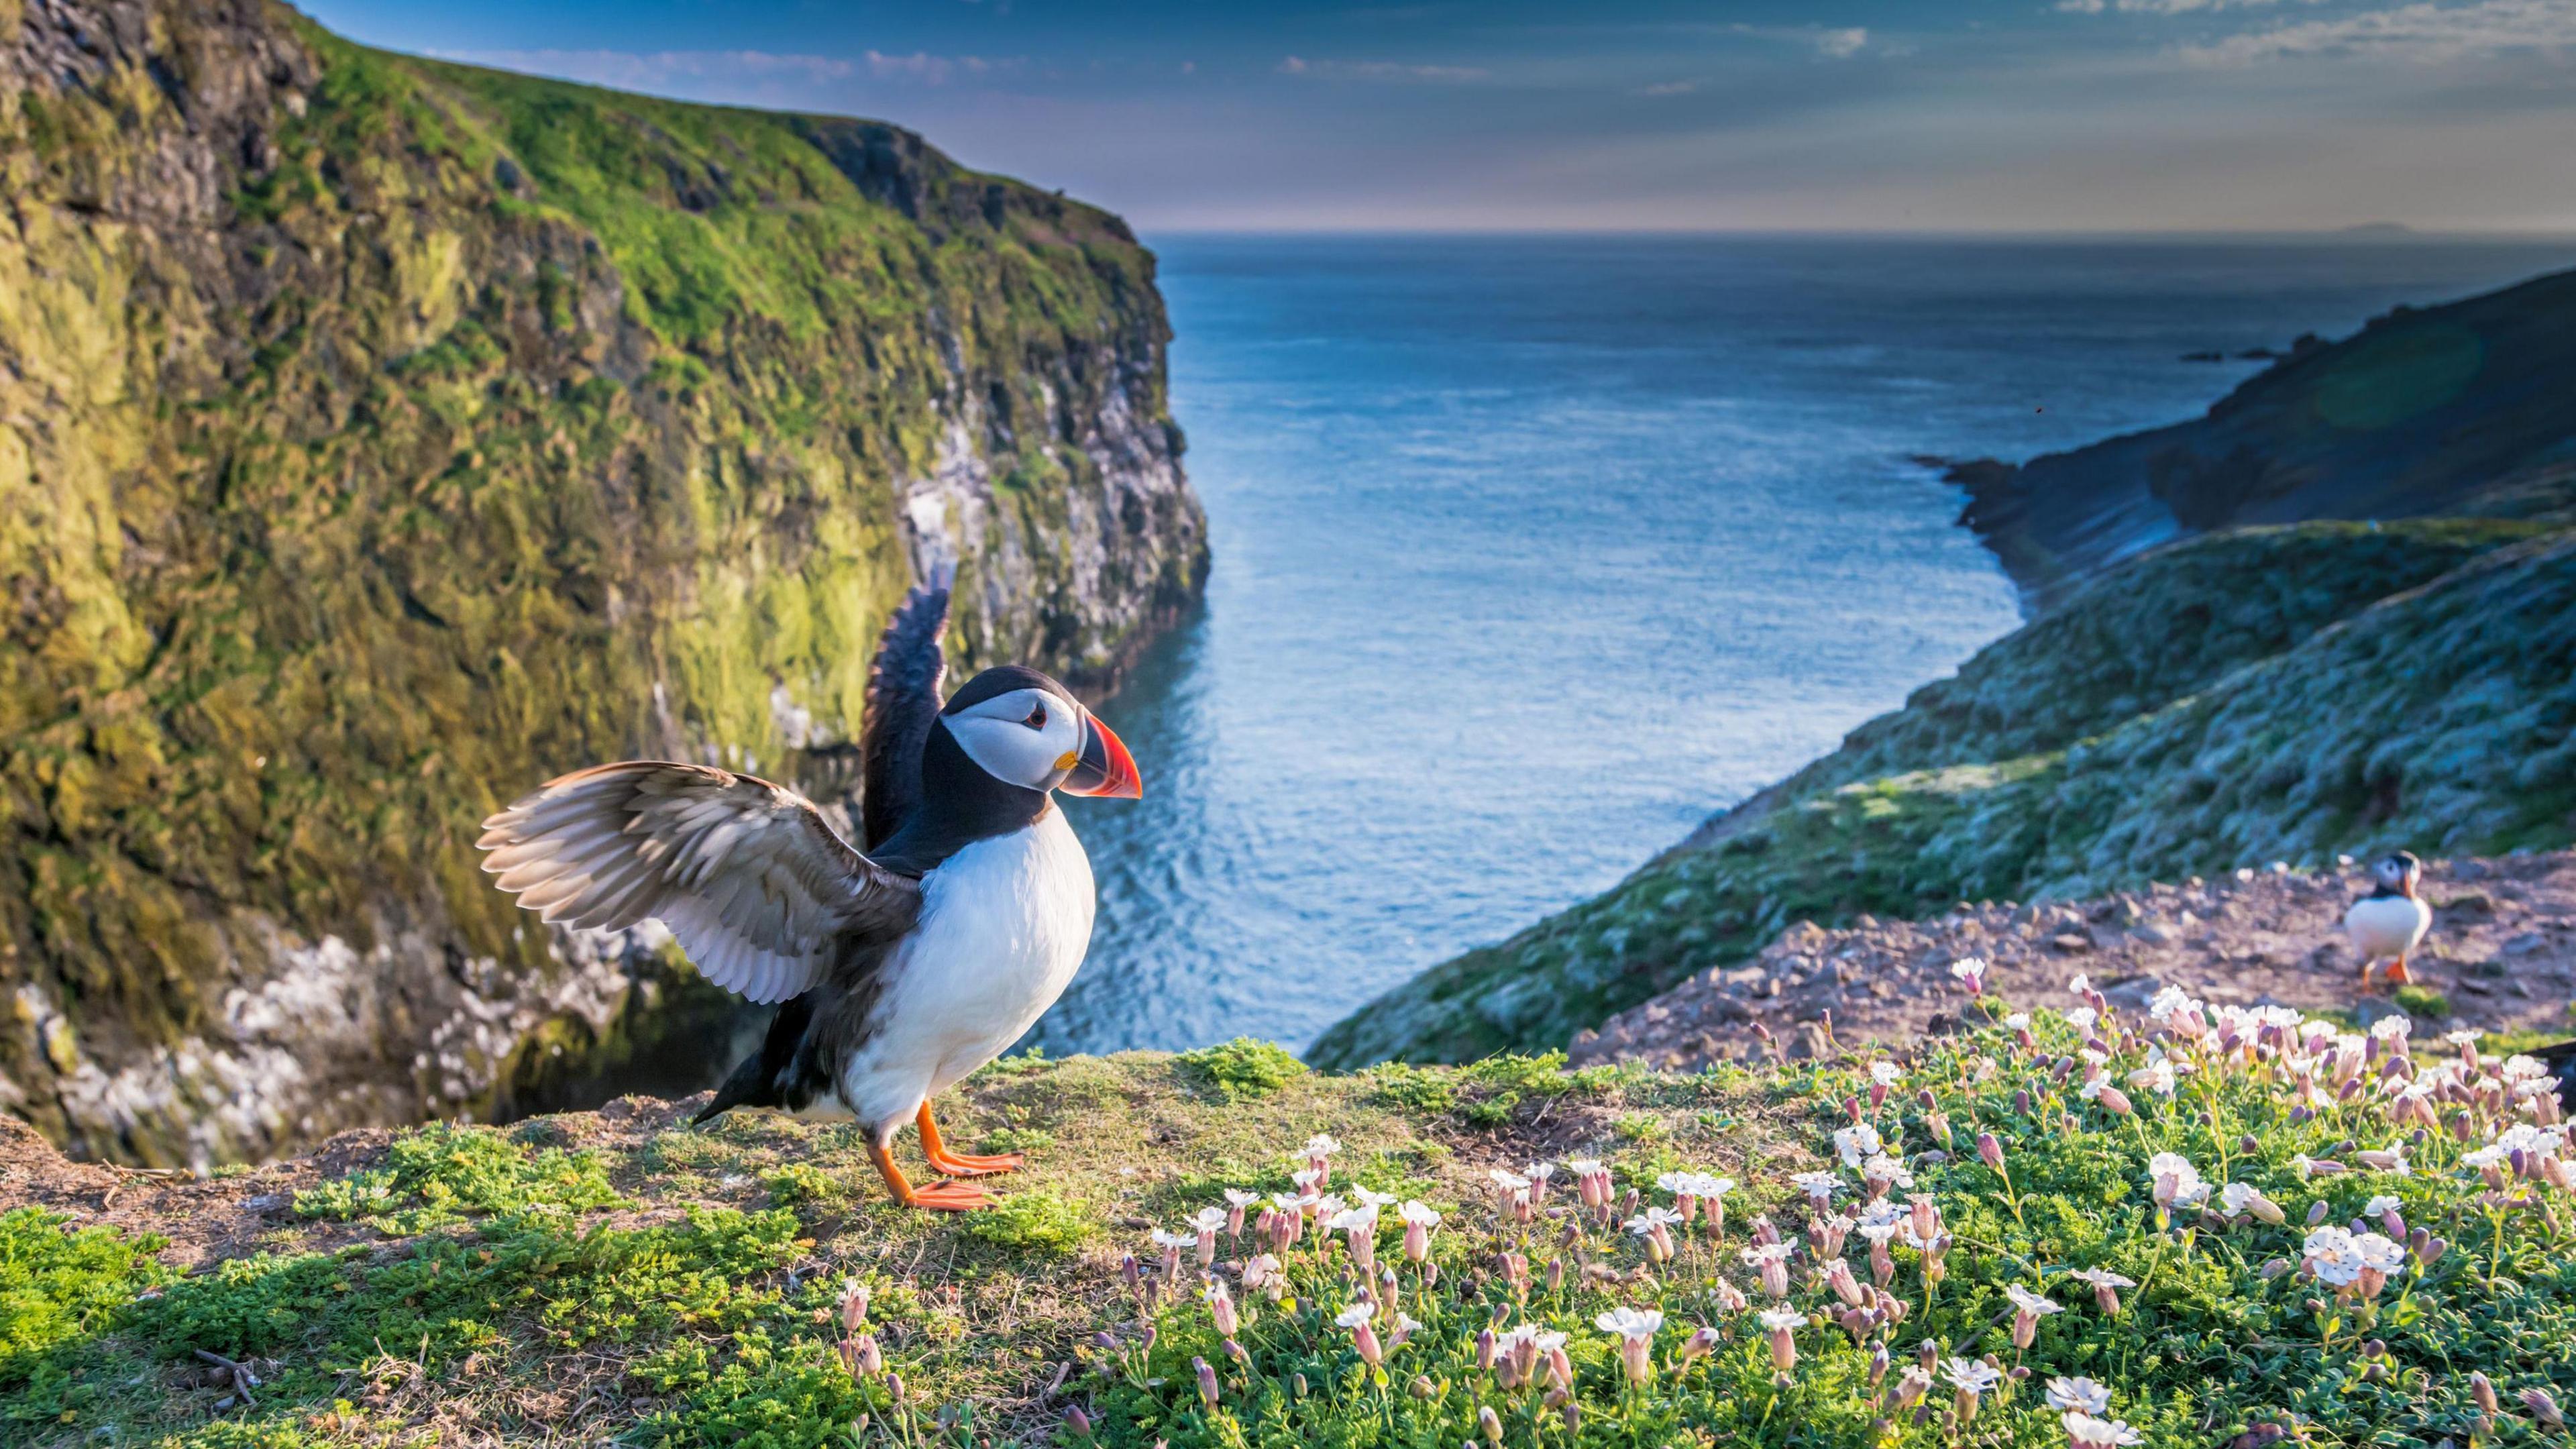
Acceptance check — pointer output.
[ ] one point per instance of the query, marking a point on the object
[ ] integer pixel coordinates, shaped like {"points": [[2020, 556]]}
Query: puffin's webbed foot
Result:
{"points": [[958, 1164], [2398, 975], [946, 1197], [951, 1197]]}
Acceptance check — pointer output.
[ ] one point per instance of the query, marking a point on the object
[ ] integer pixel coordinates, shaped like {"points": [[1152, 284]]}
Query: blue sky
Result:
{"points": [[1629, 114]]}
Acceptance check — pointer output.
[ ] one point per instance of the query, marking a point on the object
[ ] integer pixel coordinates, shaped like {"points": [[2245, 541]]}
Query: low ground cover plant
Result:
{"points": [[2196, 1225], [2189, 1225]]}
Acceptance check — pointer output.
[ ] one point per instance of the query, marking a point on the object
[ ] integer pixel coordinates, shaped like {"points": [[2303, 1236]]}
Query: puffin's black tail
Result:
{"points": [[761, 1078]]}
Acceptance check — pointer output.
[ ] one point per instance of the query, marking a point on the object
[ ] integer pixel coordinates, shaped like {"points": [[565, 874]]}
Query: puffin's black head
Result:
{"points": [[1025, 730], [2399, 872]]}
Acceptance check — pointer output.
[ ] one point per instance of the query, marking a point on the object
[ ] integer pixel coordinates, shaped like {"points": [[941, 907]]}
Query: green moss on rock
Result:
{"points": [[379, 437]]}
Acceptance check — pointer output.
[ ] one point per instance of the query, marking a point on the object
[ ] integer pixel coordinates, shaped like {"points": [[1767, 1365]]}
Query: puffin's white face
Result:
{"points": [[2400, 872], [1028, 737]]}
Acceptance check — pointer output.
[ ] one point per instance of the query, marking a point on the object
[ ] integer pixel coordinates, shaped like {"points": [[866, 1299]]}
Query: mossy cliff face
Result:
{"points": [[2258, 695], [379, 437]]}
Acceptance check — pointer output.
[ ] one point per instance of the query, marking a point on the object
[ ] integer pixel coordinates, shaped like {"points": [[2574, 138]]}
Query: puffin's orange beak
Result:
{"points": [[1103, 766]]}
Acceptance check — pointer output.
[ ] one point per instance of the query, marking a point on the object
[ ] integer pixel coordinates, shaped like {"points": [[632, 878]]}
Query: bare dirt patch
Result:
{"points": [[2501, 957]]}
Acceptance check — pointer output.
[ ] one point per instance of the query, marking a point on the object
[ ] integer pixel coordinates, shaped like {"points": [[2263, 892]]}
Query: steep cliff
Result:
{"points": [[379, 436], [2448, 410], [2256, 695]]}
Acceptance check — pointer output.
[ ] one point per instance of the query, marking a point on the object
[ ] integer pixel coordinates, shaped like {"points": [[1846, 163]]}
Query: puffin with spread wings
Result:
{"points": [[898, 969]]}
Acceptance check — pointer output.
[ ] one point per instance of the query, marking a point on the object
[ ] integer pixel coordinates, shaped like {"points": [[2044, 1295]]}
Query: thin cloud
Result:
{"points": [[648, 70], [2423, 33], [2163, 7], [1831, 42], [1381, 70], [1669, 88]]}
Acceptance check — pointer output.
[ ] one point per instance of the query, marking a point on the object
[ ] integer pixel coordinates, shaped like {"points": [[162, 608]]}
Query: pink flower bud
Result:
{"points": [[1838, 1277], [1207, 1381], [2544, 1409], [2482, 1390], [1989, 1151]]}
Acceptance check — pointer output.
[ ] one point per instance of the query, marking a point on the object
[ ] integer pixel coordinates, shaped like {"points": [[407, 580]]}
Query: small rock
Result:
{"points": [[2070, 941], [2131, 993], [2153, 934]]}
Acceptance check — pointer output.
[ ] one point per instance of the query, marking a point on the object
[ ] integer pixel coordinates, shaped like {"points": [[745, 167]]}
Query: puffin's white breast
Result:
{"points": [[1004, 924], [2387, 926]]}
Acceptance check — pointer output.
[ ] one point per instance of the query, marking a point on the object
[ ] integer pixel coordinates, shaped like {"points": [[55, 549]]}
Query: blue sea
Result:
{"points": [[1530, 553]]}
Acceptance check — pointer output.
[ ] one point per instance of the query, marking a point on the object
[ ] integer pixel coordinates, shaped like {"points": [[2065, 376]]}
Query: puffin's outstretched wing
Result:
{"points": [[759, 890], [902, 704]]}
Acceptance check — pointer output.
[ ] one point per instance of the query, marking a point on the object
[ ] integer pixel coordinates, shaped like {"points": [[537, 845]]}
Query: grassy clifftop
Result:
{"points": [[2257, 695], [1958, 1247], [380, 436]]}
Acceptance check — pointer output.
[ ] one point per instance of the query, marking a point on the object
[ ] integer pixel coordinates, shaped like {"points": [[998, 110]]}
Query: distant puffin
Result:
{"points": [[2390, 922], [899, 970], [2560, 1058]]}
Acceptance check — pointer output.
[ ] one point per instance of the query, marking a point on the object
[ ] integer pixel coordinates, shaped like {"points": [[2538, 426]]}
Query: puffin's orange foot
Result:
{"points": [[955, 1164], [968, 1165], [950, 1197], [946, 1197], [2398, 975]]}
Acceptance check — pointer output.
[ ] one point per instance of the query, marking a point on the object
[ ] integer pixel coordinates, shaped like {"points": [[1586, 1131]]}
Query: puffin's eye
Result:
{"points": [[1037, 716]]}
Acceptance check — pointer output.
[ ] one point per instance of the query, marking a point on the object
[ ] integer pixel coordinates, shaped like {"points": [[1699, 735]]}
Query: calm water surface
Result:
{"points": [[1530, 553]]}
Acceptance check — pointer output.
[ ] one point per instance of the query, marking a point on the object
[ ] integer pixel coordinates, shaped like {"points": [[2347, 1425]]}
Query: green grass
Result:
{"points": [[1243, 1067], [60, 1286], [1036, 1223], [436, 1175]]}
